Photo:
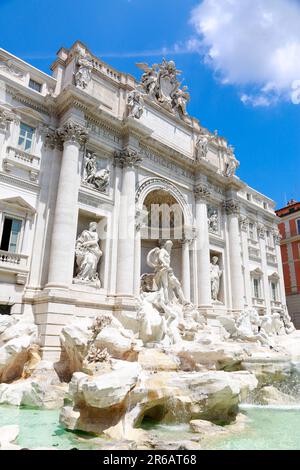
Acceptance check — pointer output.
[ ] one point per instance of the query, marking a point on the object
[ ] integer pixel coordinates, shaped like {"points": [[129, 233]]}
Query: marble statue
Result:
{"points": [[287, 321], [213, 219], [180, 98], [98, 179], [231, 163], [164, 277], [215, 275], [165, 315], [246, 327], [135, 104], [160, 83], [202, 144], [84, 73], [88, 254]]}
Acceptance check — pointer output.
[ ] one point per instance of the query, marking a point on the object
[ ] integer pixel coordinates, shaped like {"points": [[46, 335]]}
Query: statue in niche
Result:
{"points": [[213, 220], [231, 163], [88, 254], [164, 277], [202, 144], [84, 73], [215, 275], [98, 179], [135, 104]]}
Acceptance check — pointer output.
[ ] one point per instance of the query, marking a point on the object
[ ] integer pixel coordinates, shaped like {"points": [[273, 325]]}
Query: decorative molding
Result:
{"points": [[261, 231], [202, 192], [73, 132], [27, 101], [244, 223], [231, 207], [18, 182], [52, 139], [127, 158], [5, 118]]}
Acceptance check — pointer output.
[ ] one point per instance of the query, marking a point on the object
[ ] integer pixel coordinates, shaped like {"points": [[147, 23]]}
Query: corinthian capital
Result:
{"points": [[202, 192], [231, 206], [73, 132], [52, 139], [127, 158], [5, 118]]}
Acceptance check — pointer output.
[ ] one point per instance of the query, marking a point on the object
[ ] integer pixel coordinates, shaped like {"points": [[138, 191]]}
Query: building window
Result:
{"points": [[11, 234], [252, 232], [298, 225], [269, 237], [265, 205], [248, 197], [5, 309], [274, 291], [26, 136], [35, 85], [256, 288]]}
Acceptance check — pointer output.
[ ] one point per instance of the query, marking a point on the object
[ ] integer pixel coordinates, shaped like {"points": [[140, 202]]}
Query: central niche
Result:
{"points": [[164, 217], [163, 220]]}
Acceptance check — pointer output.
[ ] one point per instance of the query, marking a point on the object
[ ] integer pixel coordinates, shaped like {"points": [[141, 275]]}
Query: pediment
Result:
{"points": [[29, 113], [18, 202]]}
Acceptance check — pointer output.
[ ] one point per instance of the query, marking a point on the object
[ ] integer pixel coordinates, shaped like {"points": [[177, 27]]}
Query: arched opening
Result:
{"points": [[163, 219]]}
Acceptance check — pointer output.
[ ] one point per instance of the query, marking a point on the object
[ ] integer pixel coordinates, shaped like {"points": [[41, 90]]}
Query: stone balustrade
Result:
{"points": [[7, 258], [16, 157]]}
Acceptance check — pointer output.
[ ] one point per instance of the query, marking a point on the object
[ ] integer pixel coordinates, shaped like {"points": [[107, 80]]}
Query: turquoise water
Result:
{"points": [[270, 428], [40, 428]]}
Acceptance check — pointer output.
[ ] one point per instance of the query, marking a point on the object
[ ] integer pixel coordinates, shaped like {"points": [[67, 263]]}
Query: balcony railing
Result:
{"points": [[19, 158], [13, 260]]}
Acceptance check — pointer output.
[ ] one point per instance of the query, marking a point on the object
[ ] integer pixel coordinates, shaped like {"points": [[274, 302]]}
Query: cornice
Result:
{"points": [[18, 182], [24, 95]]}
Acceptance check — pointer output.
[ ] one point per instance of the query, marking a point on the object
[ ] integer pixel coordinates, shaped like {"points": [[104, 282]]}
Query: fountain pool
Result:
{"points": [[269, 428]]}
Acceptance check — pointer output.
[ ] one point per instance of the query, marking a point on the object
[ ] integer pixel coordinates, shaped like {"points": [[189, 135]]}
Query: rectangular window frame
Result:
{"points": [[274, 291], [34, 85], [259, 290], [21, 232], [298, 226], [26, 139]]}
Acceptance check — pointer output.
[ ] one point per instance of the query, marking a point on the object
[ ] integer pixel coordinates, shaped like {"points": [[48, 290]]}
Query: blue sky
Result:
{"points": [[239, 64]]}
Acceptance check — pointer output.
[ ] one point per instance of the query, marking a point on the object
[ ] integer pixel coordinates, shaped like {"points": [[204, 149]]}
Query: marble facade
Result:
{"points": [[90, 146]]}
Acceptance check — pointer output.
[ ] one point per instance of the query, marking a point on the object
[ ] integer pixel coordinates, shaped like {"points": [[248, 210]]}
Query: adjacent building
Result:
{"points": [[88, 154], [289, 228]]}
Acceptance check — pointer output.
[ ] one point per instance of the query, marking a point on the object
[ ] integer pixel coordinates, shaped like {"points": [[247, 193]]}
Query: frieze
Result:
{"points": [[103, 132], [164, 163]]}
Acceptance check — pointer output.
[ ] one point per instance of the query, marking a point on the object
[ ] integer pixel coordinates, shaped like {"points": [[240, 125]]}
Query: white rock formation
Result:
{"points": [[17, 335], [8, 435]]}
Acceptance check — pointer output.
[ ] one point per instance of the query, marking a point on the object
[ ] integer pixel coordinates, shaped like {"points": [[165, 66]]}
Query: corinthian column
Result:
{"points": [[186, 275], [202, 193], [237, 286], [127, 160], [61, 261]]}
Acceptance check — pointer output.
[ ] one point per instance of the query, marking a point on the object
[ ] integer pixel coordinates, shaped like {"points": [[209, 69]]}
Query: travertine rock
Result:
{"points": [[36, 393], [269, 395], [17, 335], [8, 434]]}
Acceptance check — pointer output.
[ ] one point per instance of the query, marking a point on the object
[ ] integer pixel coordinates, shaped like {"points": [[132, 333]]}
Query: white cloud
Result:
{"points": [[254, 44]]}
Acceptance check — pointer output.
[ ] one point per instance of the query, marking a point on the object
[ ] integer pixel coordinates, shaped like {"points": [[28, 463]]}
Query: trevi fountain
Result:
{"points": [[141, 289]]}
